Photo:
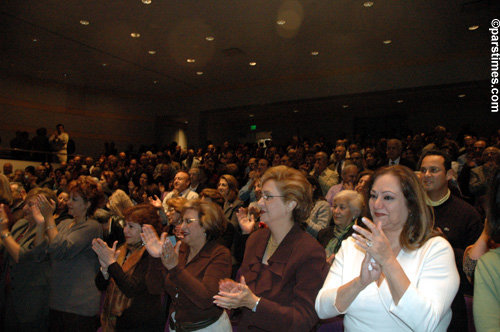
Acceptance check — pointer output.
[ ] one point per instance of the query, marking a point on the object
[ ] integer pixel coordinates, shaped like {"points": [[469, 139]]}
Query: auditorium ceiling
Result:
{"points": [[248, 52]]}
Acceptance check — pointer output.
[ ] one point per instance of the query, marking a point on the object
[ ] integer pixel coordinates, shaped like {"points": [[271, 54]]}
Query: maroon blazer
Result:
{"points": [[288, 285]]}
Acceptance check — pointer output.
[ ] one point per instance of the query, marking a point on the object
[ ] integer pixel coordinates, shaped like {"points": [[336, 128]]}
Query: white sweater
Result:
{"points": [[425, 306]]}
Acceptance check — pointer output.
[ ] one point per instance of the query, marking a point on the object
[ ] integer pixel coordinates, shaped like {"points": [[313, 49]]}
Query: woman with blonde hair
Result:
{"points": [[283, 267], [394, 265]]}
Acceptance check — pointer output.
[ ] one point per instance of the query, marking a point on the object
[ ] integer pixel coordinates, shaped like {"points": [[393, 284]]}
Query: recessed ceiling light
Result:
{"points": [[83, 22], [368, 4], [155, 82], [104, 64], [281, 22], [252, 63], [146, 2], [473, 27], [461, 95], [345, 106], [209, 38], [135, 35], [186, 122], [199, 73], [152, 52], [295, 111], [251, 115], [34, 40], [399, 101], [190, 60], [314, 53], [388, 41]]}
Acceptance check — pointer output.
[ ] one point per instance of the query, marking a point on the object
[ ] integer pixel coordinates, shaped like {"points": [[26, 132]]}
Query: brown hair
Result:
{"points": [[214, 195], [88, 188], [177, 203], [294, 186], [143, 214], [5, 193], [232, 184], [420, 223], [211, 217]]}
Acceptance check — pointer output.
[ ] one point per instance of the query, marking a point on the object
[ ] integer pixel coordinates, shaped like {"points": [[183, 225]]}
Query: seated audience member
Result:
{"points": [[465, 175], [42, 178], [18, 201], [228, 187], [338, 159], [393, 266], [326, 177], [371, 160], [190, 274], [321, 213], [347, 207], [197, 178], [74, 299], [128, 305], [349, 176], [61, 211], [458, 221], [356, 158], [284, 266], [486, 305], [362, 182], [27, 284], [109, 182], [393, 152], [181, 189], [480, 176]]}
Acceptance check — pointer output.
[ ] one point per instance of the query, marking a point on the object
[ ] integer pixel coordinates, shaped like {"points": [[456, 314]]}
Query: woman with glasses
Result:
{"points": [[283, 267], [190, 272]]}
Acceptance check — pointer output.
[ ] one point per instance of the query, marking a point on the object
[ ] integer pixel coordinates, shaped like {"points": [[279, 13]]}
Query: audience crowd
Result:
{"points": [[43, 207]]}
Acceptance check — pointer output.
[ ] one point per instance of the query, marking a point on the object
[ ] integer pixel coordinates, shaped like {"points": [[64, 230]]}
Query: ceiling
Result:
{"points": [[44, 39]]}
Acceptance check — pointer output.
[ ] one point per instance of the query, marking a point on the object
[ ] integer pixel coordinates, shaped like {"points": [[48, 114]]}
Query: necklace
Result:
{"points": [[271, 246]]}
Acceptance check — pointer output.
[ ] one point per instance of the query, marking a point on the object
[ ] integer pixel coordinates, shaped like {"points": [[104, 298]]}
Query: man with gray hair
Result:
{"points": [[393, 151], [349, 175]]}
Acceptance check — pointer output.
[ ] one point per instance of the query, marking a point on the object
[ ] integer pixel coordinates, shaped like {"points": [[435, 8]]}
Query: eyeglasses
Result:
{"points": [[267, 197], [432, 170], [189, 221]]}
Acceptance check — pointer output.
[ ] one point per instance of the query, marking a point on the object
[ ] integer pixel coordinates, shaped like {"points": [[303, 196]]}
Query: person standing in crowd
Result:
{"points": [[59, 141], [384, 272], [74, 298], [283, 267]]}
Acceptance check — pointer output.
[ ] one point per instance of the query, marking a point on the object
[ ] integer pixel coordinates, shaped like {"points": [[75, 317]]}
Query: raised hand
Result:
{"points": [[246, 224], [37, 214], [152, 241], [155, 201], [169, 253], [106, 255], [374, 241], [46, 207]]}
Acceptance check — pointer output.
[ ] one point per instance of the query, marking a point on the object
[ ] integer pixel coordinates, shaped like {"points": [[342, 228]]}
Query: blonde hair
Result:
{"points": [[211, 217], [293, 185]]}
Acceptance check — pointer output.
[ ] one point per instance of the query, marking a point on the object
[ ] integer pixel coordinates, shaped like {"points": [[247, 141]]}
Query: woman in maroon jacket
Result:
{"points": [[284, 267], [191, 272]]}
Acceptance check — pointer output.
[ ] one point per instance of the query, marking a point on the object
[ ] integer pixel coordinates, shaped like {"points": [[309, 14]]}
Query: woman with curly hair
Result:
{"points": [[73, 296]]}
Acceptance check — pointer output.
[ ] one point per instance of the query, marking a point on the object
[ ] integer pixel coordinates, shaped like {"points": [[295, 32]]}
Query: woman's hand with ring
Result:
{"points": [[373, 241], [235, 295], [169, 253]]}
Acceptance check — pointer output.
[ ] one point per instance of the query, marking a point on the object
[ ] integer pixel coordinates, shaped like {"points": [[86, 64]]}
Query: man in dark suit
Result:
{"points": [[393, 152], [197, 178]]}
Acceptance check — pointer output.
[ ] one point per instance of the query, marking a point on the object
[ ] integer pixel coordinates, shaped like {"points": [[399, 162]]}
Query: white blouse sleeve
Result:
{"points": [[432, 290]]}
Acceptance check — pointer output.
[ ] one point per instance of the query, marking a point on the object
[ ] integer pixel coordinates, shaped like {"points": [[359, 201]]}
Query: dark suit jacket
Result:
{"points": [[288, 285], [404, 162]]}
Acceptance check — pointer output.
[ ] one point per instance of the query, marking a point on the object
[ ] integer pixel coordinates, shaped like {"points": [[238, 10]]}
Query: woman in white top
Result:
{"points": [[394, 275]]}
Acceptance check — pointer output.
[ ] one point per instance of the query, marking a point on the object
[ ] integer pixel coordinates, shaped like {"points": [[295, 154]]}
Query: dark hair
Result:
{"points": [[493, 211], [143, 214], [232, 185], [316, 193], [88, 188], [446, 157], [420, 223]]}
